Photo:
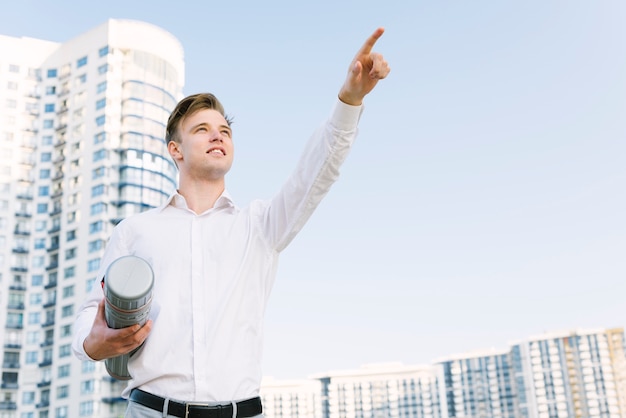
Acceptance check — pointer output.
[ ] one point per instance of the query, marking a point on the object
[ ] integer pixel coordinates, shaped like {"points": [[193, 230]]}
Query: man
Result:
{"points": [[215, 263]]}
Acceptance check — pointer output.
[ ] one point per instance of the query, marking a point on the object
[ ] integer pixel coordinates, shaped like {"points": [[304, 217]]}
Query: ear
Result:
{"points": [[172, 148]]}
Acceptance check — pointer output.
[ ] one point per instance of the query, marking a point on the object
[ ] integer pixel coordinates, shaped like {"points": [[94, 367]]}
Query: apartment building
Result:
{"points": [[82, 147], [574, 374]]}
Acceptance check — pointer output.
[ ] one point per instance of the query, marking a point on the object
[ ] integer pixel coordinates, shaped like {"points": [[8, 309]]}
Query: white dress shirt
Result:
{"points": [[213, 275]]}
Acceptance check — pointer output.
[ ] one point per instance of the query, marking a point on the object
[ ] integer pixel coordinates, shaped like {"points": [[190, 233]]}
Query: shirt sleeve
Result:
{"points": [[87, 312], [316, 171]]}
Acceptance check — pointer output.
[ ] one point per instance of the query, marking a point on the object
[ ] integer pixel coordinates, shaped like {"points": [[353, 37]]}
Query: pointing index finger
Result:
{"points": [[371, 41]]}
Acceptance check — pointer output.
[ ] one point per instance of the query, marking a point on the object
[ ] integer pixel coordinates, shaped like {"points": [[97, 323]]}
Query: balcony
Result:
{"points": [[58, 176], [52, 247], [18, 306], [45, 363], [23, 215], [8, 406], [17, 269], [25, 196], [20, 250], [47, 324], [17, 286], [42, 404], [10, 365], [55, 228], [52, 266], [44, 383], [56, 211], [14, 326], [46, 343], [21, 232], [50, 285], [12, 346], [50, 304]]}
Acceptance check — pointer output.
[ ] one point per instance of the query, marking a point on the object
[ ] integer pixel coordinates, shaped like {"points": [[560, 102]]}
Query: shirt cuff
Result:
{"points": [[346, 117]]}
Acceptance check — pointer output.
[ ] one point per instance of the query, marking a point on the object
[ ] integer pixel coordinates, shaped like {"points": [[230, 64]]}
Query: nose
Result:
{"points": [[216, 136]]}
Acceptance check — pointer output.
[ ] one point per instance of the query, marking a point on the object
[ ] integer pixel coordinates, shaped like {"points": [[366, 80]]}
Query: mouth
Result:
{"points": [[216, 151]]}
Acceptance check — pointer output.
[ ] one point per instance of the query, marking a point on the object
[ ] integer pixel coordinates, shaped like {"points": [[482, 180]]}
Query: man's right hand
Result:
{"points": [[104, 342]]}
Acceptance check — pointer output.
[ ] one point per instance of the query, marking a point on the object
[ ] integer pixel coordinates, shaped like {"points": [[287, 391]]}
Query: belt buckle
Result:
{"points": [[188, 404]]}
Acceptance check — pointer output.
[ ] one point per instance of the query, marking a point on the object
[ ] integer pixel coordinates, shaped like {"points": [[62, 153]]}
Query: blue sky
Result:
{"points": [[484, 200]]}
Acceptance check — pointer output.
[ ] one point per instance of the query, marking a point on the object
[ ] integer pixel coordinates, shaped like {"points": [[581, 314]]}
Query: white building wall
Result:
{"points": [[122, 76]]}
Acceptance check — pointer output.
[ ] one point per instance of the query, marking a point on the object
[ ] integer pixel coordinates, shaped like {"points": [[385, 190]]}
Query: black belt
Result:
{"points": [[245, 409]]}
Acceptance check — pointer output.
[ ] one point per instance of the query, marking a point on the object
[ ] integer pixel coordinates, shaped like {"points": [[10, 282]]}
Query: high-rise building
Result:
{"points": [[574, 374], [480, 385], [571, 374], [384, 391], [81, 147], [293, 398]]}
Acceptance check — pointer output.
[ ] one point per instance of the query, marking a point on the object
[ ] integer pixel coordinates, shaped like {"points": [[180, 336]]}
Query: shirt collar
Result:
{"points": [[178, 201]]}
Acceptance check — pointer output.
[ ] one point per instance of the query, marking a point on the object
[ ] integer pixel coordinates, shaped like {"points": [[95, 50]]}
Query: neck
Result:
{"points": [[201, 196]]}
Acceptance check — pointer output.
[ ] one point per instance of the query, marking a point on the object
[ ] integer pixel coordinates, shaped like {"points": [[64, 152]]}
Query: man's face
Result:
{"points": [[206, 148]]}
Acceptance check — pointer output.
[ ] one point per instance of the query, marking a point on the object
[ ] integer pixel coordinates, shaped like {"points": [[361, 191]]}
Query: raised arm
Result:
{"points": [[366, 69]]}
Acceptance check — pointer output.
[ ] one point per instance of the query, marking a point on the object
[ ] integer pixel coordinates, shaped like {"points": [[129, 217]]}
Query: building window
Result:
{"points": [[64, 370], [32, 357], [44, 173], [37, 280], [101, 87], [103, 51], [100, 120], [93, 265], [81, 62], [96, 245], [88, 366], [68, 291], [96, 227], [99, 138], [48, 123], [35, 299], [14, 68], [65, 350], [42, 208], [81, 79], [98, 190], [43, 191], [103, 69], [61, 411], [97, 208], [70, 235], [70, 253], [46, 140], [63, 392], [50, 90], [46, 156], [100, 104], [69, 272], [48, 108], [99, 155], [52, 72], [34, 318], [87, 386], [12, 85], [97, 173], [85, 409]]}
